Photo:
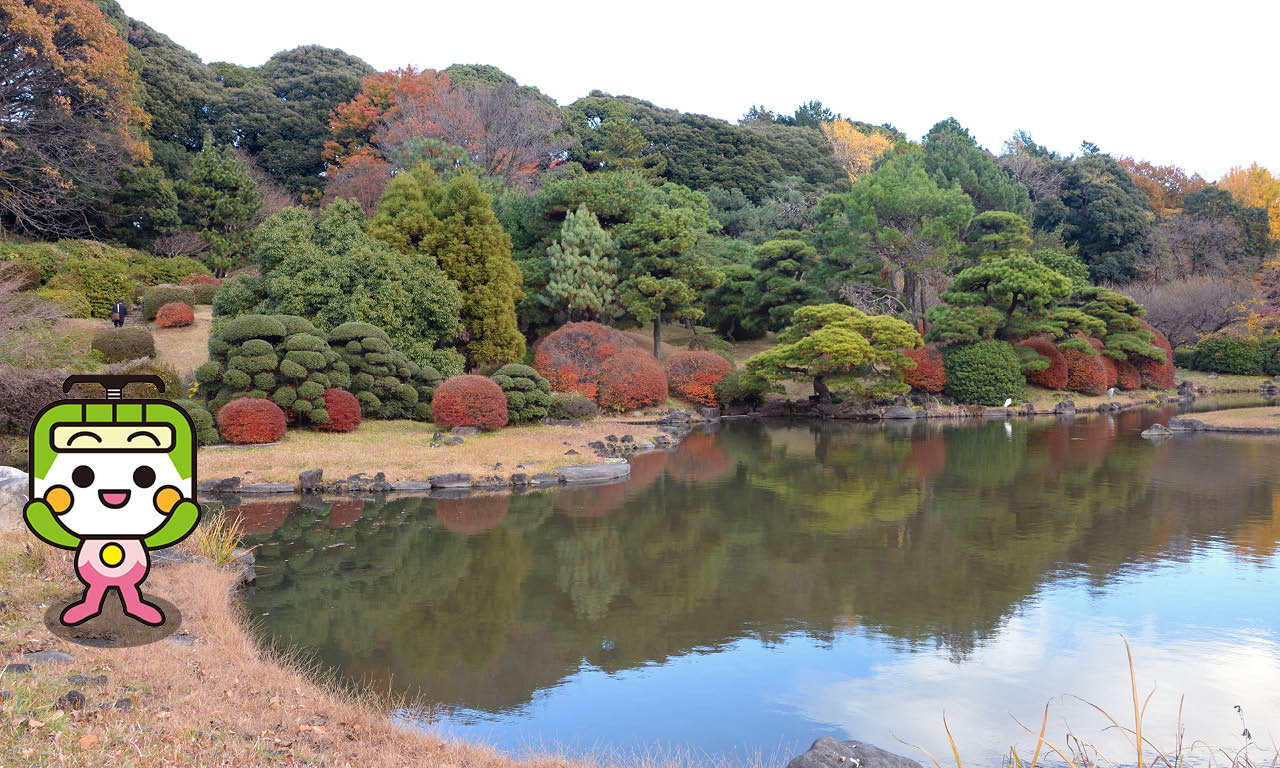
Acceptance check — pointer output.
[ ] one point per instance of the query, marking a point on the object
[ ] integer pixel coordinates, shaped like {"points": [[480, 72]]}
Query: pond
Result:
{"points": [[767, 584]]}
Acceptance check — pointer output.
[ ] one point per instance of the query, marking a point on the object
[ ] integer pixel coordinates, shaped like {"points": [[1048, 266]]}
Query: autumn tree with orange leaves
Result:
{"points": [[1255, 187], [1164, 185], [69, 120], [855, 149]]}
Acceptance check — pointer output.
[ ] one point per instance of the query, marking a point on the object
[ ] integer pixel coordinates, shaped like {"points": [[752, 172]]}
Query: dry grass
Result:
{"points": [[225, 700], [1223, 382], [186, 349], [1241, 418], [401, 449], [216, 538]]}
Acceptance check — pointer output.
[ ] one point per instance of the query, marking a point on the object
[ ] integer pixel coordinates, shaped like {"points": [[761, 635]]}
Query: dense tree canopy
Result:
{"points": [[953, 157]]}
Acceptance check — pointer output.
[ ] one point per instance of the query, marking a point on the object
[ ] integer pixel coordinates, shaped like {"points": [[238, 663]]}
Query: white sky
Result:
{"points": [[1191, 84]]}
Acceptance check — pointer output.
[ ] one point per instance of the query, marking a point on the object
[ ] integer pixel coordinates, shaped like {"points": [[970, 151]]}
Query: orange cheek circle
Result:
{"points": [[166, 498], [58, 499]]}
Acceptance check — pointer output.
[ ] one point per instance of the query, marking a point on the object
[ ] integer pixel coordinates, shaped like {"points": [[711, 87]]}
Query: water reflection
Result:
{"points": [[771, 582]]}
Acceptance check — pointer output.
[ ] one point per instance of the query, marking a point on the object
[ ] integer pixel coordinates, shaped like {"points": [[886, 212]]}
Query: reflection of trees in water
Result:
{"points": [[473, 514], [929, 533], [259, 517]]}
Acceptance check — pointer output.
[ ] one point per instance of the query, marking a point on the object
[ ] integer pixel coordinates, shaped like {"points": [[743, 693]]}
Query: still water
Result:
{"points": [[766, 584]]}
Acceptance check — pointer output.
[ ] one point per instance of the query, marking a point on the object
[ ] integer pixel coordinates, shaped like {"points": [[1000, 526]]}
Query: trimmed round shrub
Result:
{"points": [[738, 389], [1055, 375], [249, 357], [1155, 374], [712, 343], [167, 373], [206, 433], [692, 376], [528, 394], [985, 373], [385, 381], [25, 276], [70, 303], [1127, 376], [929, 375], [469, 401], [1085, 372], [238, 295], [175, 314], [343, 410], [572, 356], [1224, 353], [157, 296], [566, 405], [251, 421], [204, 293], [128, 343], [631, 379], [200, 279]]}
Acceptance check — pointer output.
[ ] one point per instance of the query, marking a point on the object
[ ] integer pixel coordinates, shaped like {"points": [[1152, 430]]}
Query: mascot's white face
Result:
{"points": [[113, 490]]}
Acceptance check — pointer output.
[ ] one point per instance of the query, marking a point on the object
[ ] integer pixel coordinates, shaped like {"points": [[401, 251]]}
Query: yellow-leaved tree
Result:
{"points": [[855, 150], [1255, 187]]}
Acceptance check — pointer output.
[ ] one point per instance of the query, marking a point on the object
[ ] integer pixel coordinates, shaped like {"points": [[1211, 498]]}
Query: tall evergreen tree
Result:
{"points": [[220, 200], [584, 271], [781, 288]]}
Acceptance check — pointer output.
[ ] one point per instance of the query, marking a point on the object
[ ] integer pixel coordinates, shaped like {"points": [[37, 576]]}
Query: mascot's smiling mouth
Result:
{"points": [[114, 499]]}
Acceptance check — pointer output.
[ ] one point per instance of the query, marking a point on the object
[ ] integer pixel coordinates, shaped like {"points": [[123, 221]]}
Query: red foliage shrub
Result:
{"points": [[175, 314], [1053, 377], [631, 379], [251, 421], [469, 401], [1085, 372], [344, 411], [692, 376], [1154, 374], [474, 513], [928, 375], [1108, 362], [197, 279], [570, 357], [1127, 376]]}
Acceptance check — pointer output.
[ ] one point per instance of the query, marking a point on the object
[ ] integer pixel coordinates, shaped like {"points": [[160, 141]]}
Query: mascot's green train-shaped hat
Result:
{"points": [[112, 425]]}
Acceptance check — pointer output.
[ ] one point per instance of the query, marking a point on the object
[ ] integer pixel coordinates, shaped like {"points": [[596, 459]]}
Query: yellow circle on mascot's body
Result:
{"points": [[111, 555]]}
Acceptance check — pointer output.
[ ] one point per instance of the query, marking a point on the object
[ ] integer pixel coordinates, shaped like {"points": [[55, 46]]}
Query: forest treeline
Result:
{"points": [[609, 208]]}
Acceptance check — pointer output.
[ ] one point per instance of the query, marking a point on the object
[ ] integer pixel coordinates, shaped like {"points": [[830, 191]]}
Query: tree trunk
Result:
{"points": [[820, 389], [657, 334]]}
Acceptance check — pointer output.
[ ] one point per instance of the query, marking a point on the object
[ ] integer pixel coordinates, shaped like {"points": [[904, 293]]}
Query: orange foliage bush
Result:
{"points": [[1127, 376], [631, 379], [929, 375], [570, 358], [469, 401], [196, 278], [1085, 372], [344, 411], [1053, 377], [251, 421], [693, 375], [1108, 362], [175, 314], [473, 514], [1154, 374]]}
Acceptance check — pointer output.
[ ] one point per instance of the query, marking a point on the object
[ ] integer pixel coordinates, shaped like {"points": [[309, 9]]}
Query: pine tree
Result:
{"points": [[220, 200], [781, 266], [584, 271], [476, 254]]}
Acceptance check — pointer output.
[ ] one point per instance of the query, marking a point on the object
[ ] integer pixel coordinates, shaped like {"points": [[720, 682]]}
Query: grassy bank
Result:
{"points": [[402, 450], [1265, 419], [224, 700]]}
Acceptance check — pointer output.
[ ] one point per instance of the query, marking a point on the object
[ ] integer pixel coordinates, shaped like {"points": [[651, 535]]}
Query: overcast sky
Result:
{"points": [[1192, 84]]}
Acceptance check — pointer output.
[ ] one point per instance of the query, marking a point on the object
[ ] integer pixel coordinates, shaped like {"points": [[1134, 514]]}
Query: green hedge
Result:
{"points": [[102, 281], [250, 357], [738, 388], [528, 394], [387, 384], [70, 303], [566, 405], [156, 297], [985, 373], [206, 432], [1223, 353]]}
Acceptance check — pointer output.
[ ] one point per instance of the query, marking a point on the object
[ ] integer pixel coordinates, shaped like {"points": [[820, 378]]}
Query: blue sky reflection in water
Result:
{"points": [[768, 585]]}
